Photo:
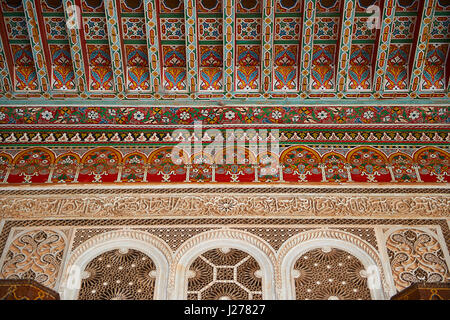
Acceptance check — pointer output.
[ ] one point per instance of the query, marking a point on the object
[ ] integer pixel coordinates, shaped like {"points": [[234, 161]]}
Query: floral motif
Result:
{"points": [[415, 256], [224, 115], [35, 255]]}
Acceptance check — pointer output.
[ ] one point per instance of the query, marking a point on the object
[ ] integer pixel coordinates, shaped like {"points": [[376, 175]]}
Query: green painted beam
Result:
{"points": [[309, 16], [268, 29], [74, 29], [345, 44], [5, 78], [37, 47], [190, 14], [115, 44], [229, 37], [384, 42], [420, 46], [151, 27]]}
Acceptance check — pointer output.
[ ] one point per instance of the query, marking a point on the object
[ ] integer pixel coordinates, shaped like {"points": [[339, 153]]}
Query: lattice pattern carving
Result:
{"points": [[415, 256], [123, 274], [224, 274], [330, 273]]}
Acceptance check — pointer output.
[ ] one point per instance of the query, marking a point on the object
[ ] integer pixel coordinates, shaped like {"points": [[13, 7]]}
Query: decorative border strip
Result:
{"points": [[143, 189], [11, 136], [147, 205], [226, 115]]}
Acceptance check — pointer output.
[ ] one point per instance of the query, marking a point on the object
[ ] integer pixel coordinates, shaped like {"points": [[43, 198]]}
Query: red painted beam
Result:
{"points": [[7, 48]]}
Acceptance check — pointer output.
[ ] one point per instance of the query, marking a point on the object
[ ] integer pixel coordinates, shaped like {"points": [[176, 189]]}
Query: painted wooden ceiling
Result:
{"points": [[224, 50]]}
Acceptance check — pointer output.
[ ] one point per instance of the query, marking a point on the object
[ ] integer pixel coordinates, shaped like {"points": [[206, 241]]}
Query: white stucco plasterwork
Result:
{"points": [[259, 249], [148, 244], [299, 244]]}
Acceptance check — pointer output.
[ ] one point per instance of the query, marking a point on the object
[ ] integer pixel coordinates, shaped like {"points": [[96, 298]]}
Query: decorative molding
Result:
{"points": [[228, 234], [135, 205]]}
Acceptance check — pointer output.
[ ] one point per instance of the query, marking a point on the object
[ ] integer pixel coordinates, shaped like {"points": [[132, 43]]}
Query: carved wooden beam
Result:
{"points": [[151, 27], [190, 15], [229, 36], [36, 32], [5, 69], [383, 45], [115, 44], [420, 44], [447, 72], [268, 22], [309, 15], [72, 14], [345, 44]]}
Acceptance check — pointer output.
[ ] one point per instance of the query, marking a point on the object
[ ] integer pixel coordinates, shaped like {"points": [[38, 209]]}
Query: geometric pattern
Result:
{"points": [[404, 27], [248, 29], [133, 28], [95, 28], [17, 28], [326, 28], [56, 28], [224, 274], [172, 29], [210, 29], [317, 276], [287, 29], [121, 274], [361, 31]]}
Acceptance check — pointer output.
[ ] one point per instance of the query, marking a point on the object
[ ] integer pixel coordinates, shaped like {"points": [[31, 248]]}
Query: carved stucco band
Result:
{"points": [[141, 205]]}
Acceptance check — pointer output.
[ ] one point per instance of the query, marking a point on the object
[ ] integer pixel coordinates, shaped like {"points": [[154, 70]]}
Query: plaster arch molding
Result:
{"points": [[299, 244], [148, 244], [258, 248]]}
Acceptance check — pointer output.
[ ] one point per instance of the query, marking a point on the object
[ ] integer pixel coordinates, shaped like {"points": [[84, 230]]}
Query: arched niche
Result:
{"points": [[224, 239], [147, 244], [298, 245]]}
